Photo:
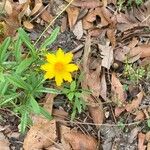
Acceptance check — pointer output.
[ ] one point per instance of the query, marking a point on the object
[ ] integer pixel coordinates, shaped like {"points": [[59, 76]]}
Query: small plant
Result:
{"points": [[21, 81], [134, 74], [121, 124], [74, 95]]}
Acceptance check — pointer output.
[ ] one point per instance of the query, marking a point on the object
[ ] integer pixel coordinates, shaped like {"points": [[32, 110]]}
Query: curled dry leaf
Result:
{"points": [[117, 90], [107, 55], [46, 16], [139, 115], [28, 25], [40, 136], [103, 87], [135, 102], [37, 6], [73, 13], [111, 36], [86, 3], [141, 140], [79, 141]]}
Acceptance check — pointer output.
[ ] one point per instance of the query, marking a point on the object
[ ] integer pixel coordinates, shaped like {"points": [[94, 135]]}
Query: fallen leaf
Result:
{"points": [[28, 25], [107, 55], [46, 16], [78, 30], [119, 110], [135, 102], [86, 3], [73, 13], [4, 143], [8, 7], [96, 112], [40, 136], [93, 81], [111, 36], [103, 87], [139, 115], [141, 140], [117, 90], [37, 7], [80, 141], [145, 51]]}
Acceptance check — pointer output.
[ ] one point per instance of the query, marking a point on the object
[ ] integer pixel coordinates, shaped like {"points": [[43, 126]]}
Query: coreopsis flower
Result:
{"points": [[59, 66]]}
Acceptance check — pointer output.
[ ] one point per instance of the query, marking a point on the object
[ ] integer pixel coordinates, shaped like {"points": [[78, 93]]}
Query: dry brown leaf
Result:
{"points": [[65, 130], [107, 55], [78, 30], [103, 87], [86, 3], [119, 110], [139, 115], [8, 7], [79, 141], [46, 16], [111, 36], [28, 25], [145, 51], [93, 81], [4, 143], [117, 90], [73, 13], [37, 6], [40, 136], [135, 102], [141, 140]]}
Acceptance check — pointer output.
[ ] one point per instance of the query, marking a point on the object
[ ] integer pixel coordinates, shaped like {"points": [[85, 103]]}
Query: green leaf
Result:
{"points": [[48, 90], [25, 38], [17, 52], [70, 96], [3, 87], [45, 113], [148, 123], [3, 48], [78, 105], [24, 121], [78, 94], [18, 82], [24, 65], [73, 86], [50, 39], [8, 98], [34, 105]]}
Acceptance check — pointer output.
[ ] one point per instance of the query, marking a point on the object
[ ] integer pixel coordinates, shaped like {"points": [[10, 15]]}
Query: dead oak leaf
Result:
{"points": [[79, 141], [141, 140], [135, 102], [107, 55]]}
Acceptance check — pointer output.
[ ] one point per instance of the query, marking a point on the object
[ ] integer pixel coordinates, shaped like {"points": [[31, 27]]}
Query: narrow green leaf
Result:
{"points": [[8, 98], [24, 121], [70, 96], [73, 85], [45, 113], [24, 65], [48, 90], [25, 38], [18, 82], [50, 39], [3, 48], [17, 52], [34, 105]]}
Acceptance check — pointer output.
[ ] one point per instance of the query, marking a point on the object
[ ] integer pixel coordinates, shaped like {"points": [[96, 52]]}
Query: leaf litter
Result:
{"points": [[109, 37]]}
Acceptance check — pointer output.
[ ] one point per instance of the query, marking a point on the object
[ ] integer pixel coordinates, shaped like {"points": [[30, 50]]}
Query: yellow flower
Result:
{"points": [[59, 66]]}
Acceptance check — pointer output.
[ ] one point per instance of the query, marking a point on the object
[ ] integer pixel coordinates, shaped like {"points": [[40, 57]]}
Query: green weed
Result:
{"points": [[21, 83]]}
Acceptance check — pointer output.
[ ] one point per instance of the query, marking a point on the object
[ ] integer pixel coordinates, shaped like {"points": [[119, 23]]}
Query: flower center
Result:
{"points": [[59, 67]]}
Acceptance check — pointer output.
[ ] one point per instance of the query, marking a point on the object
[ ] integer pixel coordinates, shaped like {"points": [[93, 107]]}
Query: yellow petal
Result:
{"points": [[71, 67], [60, 54], [49, 75], [58, 79], [51, 58], [68, 58], [67, 77], [47, 67]]}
